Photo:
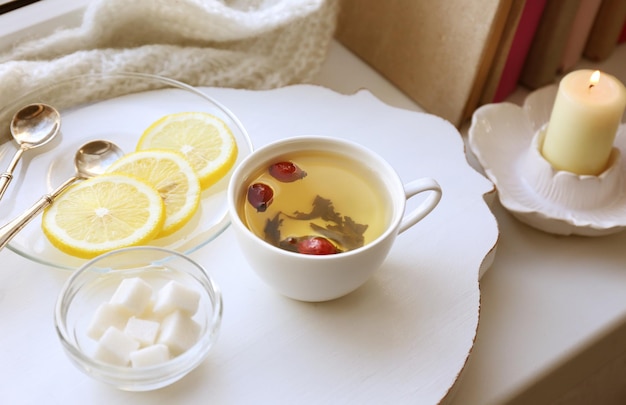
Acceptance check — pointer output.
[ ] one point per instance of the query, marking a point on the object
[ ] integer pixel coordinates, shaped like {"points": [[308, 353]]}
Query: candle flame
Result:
{"points": [[594, 79]]}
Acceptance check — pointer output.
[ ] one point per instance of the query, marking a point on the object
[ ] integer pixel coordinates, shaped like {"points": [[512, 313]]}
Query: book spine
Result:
{"points": [[526, 29], [579, 33], [606, 30], [546, 52]]}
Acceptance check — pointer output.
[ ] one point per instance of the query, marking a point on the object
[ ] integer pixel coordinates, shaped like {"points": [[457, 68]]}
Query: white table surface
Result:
{"points": [[549, 306]]}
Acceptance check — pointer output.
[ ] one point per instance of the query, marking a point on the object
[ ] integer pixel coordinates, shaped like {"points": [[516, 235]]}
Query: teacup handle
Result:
{"points": [[418, 213]]}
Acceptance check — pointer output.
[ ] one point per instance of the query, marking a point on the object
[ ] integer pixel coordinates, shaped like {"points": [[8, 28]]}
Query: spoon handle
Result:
{"points": [[6, 177], [8, 231]]}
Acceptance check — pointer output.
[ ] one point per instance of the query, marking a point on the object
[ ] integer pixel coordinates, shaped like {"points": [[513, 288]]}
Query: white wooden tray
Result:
{"points": [[403, 337]]}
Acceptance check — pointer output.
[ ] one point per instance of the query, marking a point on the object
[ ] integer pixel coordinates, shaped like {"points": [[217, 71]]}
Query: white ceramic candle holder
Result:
{"points": [[569, 189], [506, 140]]}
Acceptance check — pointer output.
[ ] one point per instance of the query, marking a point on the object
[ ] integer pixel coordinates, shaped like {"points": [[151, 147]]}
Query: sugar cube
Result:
{"points": [[115, 346], [133, 294], [179, 332], [176, 296], [149, 356], [106, 315], [142, 330]]}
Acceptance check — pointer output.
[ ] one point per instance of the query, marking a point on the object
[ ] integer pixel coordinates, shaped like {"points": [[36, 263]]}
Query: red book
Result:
{"points": [[522, 41]]}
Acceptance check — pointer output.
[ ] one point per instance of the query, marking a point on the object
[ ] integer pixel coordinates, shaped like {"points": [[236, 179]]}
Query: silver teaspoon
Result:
{"points": [[32, 126], [91, 159]]}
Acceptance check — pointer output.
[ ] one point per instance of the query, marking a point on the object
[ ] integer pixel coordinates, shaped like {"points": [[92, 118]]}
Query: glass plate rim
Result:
{"points": [[223, 223]]}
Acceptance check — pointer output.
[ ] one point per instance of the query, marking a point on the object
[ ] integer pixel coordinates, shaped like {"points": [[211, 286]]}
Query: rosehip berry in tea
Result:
{"points": [[311, 245], [260, 196], [316, 246], [286, 172]]}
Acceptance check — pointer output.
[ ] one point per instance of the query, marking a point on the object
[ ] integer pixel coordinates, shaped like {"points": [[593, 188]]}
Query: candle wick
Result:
{"points": [[591, 86]]}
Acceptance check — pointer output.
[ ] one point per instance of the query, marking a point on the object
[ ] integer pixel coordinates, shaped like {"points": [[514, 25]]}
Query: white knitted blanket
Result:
{"points": [[255, 44]]}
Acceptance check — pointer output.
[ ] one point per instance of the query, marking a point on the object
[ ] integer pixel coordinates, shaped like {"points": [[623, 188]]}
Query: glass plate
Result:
{"points": [[117, 107]]}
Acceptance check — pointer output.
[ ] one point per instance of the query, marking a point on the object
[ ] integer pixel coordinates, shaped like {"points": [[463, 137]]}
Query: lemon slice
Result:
{"points": [[172, 176], [205, 140], [103, 213]]}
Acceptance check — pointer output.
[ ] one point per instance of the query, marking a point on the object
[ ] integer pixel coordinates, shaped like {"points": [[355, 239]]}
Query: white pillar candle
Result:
{"points": [[585, 118]]}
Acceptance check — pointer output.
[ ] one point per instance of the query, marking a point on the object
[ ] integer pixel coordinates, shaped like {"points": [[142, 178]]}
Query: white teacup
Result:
{"points": [[324, 277]]}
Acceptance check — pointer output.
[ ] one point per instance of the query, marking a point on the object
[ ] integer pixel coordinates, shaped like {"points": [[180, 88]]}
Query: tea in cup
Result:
{"points": [[316, 216]]}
